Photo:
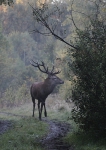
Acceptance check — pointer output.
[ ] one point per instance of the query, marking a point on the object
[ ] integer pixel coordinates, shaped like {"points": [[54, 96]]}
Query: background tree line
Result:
{"points": [[17, 48]]}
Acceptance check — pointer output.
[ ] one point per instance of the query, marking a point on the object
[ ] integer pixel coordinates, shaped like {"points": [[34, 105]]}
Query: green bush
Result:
{"points": [[89, 92]]}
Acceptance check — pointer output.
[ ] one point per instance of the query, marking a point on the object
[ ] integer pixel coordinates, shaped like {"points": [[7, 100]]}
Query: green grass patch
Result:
{"points": [[24, 135], [64, 116], [78, 140], [27, 131], [84, 141]]}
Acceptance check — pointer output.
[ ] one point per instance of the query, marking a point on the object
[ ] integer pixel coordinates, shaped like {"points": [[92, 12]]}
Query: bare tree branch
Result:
{"points": [[72, 15], [41, 19], [45, 19]]}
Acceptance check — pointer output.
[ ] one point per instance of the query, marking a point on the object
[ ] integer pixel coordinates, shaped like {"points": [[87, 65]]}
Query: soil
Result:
{"points": [[5, 125], [54, 138]]}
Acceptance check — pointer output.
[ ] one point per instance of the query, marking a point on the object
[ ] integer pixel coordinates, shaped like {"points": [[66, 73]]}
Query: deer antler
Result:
{"points": [[36, 64], [53, 73], [56, 72]]}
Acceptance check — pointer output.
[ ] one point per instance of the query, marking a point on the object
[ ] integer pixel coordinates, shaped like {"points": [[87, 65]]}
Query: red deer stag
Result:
{"points": [[41, 90]]}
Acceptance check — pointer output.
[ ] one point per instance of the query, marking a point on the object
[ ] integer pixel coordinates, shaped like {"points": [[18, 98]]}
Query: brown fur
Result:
{"points": [[41, 90]]}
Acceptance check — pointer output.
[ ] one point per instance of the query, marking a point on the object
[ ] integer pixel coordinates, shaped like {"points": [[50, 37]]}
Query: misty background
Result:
{"points": [[18, 47]]}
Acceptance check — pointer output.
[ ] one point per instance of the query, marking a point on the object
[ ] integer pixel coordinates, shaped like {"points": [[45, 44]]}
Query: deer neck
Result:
{"points": [[48, 86]]}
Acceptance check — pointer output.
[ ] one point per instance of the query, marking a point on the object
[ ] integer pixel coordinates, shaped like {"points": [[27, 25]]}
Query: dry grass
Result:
{"points": [[55, 102]]}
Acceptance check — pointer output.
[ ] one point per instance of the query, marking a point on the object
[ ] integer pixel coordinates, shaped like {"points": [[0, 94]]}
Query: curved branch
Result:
{"points": [[72, 15], [40, 19]]}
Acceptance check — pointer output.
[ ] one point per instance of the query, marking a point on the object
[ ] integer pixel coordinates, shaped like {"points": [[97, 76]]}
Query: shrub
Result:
{"points": [[89, 92]]}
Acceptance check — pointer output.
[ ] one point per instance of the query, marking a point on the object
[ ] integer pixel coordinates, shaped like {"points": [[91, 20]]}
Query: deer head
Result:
{"points": [[52, 78]]}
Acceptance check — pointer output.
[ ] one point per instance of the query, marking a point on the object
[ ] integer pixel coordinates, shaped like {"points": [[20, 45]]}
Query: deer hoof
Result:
{"points": [[45, 114]]}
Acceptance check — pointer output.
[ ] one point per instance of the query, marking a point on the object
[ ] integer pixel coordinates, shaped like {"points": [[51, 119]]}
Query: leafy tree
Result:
{"points": [[89, 87], [15, 74], [14, 21], [4, 61], [24, 46]]}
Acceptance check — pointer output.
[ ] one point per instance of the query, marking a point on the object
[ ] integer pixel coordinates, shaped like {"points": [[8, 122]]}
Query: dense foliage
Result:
{"points": [[89, 93]]}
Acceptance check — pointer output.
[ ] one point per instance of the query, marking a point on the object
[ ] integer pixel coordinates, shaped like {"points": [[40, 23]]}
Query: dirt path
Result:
{"points": [[5, 125], [53, 139]]}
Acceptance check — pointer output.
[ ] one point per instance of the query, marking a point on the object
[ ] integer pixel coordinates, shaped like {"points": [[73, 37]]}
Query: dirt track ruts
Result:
{"points": [[53, 140]]}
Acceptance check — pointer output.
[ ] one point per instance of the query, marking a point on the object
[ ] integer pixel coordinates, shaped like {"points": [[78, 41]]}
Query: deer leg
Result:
{"points": [[33, 100], [42, 107], [39, 110], [45, 112]]}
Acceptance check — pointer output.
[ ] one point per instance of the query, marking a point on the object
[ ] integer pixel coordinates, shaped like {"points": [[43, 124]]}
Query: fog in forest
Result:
{"points": [[22, 39], [19, 45]]}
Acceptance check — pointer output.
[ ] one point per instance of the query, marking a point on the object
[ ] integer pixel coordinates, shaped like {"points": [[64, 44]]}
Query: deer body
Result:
{"points": [[41, 90]]}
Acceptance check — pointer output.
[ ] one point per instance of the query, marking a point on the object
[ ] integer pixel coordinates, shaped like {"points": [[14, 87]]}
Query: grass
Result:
{"points": [[84, 141], [24, 135], [79, 140], [64, 116], [27, 131]]}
